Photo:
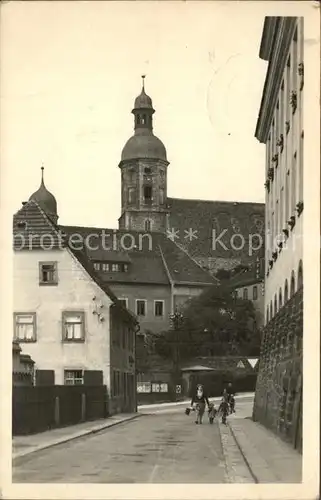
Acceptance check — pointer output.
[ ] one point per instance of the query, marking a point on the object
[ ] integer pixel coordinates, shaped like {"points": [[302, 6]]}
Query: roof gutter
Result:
{"points": [[172, 284], [195, 283]]}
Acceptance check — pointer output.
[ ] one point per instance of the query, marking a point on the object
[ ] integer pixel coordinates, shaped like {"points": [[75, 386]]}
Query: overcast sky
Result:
{"points": [[70, 72]]}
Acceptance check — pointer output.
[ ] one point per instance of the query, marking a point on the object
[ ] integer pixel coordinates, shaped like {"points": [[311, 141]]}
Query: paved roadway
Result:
{"points": [[162, 446]]}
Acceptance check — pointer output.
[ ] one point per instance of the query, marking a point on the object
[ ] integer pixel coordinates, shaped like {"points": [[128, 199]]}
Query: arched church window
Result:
{"points": [[292, 286], [300, 275], [131, 195], [147, 193], [148, 225], [286, 292], [131, 175]]}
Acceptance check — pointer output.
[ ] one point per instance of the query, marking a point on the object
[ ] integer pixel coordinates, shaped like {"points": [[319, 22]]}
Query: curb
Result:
{"points": [[243, 454], [72, 437]]}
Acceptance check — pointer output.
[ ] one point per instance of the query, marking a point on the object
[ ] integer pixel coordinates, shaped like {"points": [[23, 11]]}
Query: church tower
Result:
{"points": [[143, 173]]}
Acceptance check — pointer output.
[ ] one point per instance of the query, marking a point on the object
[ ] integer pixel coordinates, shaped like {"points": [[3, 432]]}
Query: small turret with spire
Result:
{"points": [[45, 199], [143, 111]]}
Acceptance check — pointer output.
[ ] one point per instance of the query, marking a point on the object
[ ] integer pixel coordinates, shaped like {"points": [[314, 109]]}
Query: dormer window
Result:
{"points": [[114, 267]]}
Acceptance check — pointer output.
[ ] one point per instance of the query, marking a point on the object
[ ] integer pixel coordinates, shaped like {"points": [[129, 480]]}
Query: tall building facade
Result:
{"points": [[278, 400]]}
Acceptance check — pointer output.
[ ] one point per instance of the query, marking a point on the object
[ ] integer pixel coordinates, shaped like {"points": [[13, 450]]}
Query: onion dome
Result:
{"points": [[143, 101], [45, 199]]}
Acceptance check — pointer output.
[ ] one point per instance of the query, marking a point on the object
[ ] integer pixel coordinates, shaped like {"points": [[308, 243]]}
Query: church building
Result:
{"points": [[195, 225], [166, 250]]}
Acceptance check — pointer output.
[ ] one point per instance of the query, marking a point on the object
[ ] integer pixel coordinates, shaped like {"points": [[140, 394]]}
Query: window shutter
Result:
{"points": [[45, 377], [93, 377]]}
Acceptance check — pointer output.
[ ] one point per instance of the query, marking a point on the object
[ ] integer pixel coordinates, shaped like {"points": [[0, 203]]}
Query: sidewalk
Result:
{"points": [[188, 400], [24, 445], [269, 459]]}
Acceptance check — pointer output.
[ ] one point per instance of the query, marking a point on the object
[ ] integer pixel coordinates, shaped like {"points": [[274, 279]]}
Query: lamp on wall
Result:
{"points": [[97, 309]]}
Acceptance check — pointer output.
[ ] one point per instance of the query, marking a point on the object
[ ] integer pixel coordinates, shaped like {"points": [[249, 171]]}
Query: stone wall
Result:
{"points": [[278, 395]]}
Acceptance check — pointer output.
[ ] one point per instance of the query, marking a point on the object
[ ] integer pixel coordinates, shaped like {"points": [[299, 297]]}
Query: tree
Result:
{"points": [[216, 323]]}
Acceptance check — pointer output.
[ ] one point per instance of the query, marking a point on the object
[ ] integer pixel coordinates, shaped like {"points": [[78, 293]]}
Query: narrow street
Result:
{"points": [[162, 446]]}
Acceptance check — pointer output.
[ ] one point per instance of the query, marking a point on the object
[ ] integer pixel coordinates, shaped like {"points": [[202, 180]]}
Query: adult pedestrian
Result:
{"points": [[200, 399]]}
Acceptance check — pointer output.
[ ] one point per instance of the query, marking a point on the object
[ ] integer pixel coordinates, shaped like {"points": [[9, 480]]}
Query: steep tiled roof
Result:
{"points": [[254, 274], [33, 230], [153, 258], [206, 216]]}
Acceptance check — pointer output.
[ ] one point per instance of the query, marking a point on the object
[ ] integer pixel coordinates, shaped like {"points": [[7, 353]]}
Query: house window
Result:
{"points": [[161, 196], [255, 292], [105, 266], [147, 225], [124, 302], [74, 377], [245, 293], [115, 267], [25, 327], [73, 324], [159, 308], [48, 273], [141, 307], [97, 266], [147, 193], [147, 170]]}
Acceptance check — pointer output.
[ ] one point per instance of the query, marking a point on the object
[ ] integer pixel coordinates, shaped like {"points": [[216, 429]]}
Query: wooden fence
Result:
{"points": [[40, 408]]}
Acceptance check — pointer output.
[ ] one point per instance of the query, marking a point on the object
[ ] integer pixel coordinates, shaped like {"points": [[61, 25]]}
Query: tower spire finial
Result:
{"points": [[42, 170], [143, 81]]}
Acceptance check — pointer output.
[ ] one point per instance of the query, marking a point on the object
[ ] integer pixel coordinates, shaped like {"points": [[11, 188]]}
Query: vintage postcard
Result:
{"points": [[160, 251]]}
